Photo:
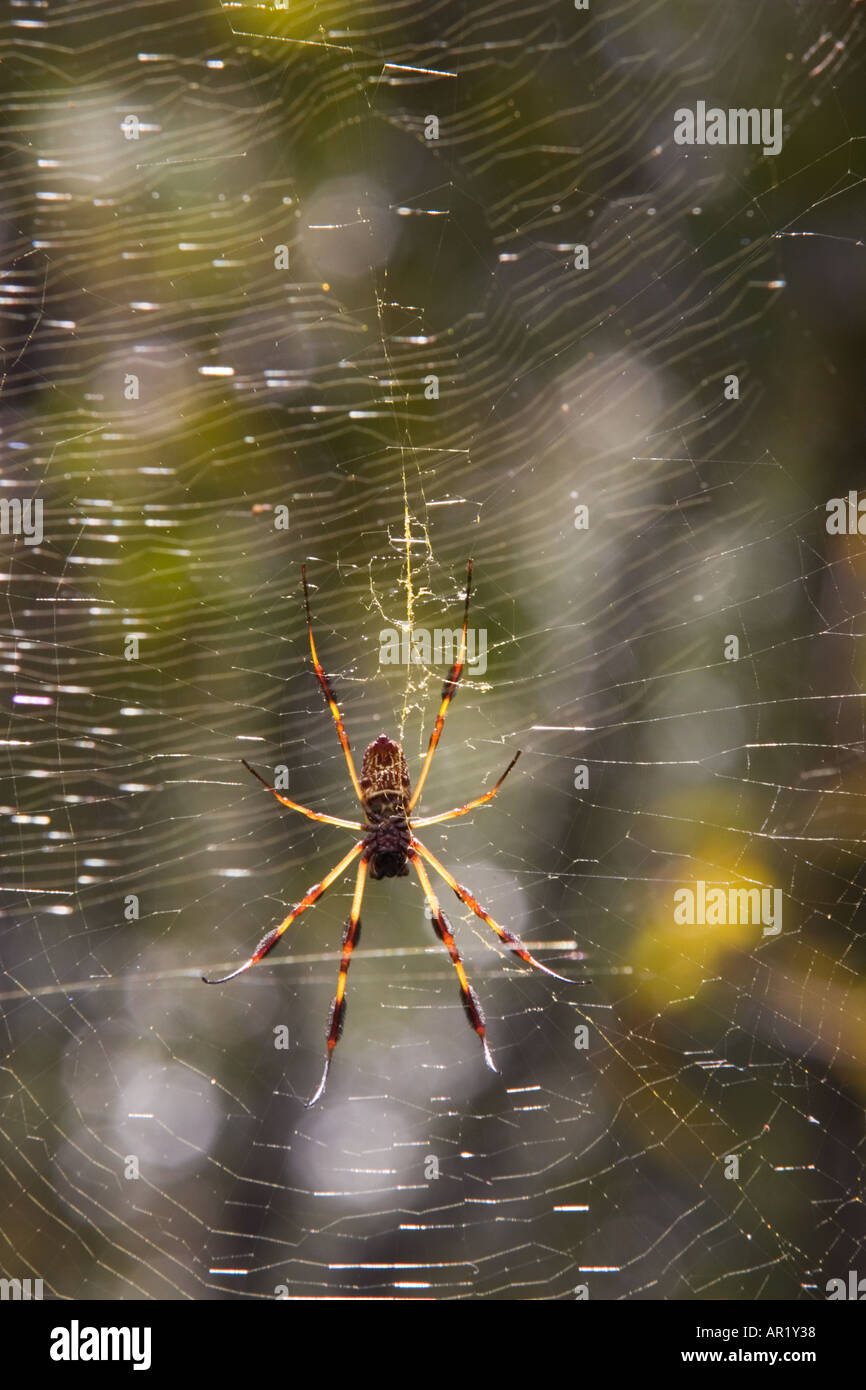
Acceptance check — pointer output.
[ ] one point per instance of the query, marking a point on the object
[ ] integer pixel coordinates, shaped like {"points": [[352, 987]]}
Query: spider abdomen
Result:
{"points": [[384, 772]]}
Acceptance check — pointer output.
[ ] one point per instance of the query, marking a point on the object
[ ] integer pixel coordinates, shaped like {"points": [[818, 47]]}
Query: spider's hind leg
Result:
{"points": [[511, 941], [351, 936], [312, 895], [442, 928]]}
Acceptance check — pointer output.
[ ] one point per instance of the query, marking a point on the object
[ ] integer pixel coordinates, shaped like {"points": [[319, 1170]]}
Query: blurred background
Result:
{"points": [[298, 285]]}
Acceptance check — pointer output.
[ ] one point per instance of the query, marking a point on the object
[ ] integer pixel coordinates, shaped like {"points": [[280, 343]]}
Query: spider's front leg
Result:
{"points": [[304, 810], [449, 690], [470, 805], [327, 691]]}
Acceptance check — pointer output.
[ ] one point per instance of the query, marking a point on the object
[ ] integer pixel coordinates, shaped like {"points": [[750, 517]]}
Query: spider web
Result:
{"points": [[154, 1137]]}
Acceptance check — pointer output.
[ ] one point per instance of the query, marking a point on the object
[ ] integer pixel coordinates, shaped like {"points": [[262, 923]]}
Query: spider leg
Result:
{"points": [[470, 805], [311, 896], [442, 928], [329, 694], [513, 942], [351, 936], [449, 690], [313, 815]]}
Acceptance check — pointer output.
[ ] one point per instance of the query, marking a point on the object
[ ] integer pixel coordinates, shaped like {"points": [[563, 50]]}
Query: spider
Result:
{"points": [[388, 846]]}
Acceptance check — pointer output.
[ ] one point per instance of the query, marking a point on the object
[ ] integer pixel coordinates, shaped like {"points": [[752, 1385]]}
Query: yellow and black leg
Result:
{"points": [[311, 896], [351, 936], [512, 942], [329, 694], [442, 927], [449, 690]]}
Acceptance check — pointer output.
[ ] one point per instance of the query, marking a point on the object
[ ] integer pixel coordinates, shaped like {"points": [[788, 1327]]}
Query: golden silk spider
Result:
{"points": [[388, 846]]}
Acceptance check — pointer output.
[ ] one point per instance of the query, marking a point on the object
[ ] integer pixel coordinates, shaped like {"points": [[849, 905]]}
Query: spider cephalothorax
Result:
{"points": [[388, 846]]}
